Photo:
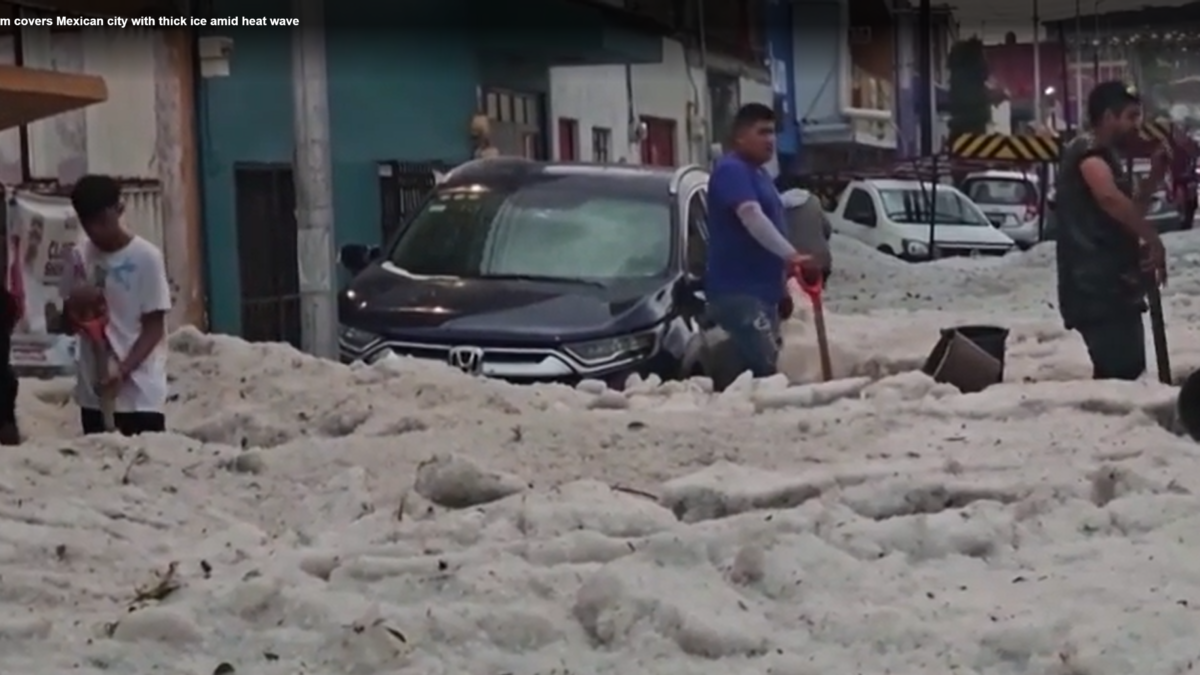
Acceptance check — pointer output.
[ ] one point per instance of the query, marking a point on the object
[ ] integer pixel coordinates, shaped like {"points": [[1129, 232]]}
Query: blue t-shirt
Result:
{"points": [[736, 262]]}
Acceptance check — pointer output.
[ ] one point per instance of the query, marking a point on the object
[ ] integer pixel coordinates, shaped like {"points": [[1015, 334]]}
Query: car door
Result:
{"points": [[695, 250], [860, 217]]}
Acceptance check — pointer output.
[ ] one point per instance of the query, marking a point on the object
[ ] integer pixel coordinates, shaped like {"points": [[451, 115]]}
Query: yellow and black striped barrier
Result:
{"points": [[1021, 148], [1157, 132]]}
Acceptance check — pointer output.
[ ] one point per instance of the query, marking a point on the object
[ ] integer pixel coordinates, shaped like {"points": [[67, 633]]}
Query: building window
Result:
{"points": [[601, 145], [568, 139]]}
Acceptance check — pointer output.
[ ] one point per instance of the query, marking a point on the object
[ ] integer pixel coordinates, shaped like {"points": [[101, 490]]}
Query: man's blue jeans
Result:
{"points": [[753, 328]]}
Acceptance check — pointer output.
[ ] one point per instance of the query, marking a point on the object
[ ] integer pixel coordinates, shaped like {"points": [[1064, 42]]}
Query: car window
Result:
{"points": [[1003, 191], [911, 205], [859, 206], [560, 229], [697, 242]]}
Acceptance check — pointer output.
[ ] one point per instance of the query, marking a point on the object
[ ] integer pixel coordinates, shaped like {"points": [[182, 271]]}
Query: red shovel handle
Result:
{"points": [[811, 283], [93, 329]]}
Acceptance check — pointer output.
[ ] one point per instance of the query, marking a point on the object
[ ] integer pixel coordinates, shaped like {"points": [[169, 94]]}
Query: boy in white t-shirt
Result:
{"points": [[117, 271]]}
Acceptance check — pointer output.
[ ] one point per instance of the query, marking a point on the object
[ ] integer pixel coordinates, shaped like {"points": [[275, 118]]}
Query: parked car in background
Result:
{"points": [[539, 272], [1163, 214], [895, 216], [1011, 200]]}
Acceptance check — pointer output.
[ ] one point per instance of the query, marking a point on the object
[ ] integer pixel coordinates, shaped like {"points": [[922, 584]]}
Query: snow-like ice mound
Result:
{"points": [[307, 517]]}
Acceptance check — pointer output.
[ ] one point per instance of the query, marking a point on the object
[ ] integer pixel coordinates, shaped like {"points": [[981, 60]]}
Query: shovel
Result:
{"points": [[1158, 329], [104, 363], [812, 285]]}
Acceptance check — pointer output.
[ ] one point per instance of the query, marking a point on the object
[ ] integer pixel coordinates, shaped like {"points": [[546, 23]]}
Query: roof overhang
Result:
{"points": [[28, 95]]}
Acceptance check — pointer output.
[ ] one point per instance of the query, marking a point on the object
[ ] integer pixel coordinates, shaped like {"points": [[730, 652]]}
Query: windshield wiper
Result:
{"points": [[543, 277]]}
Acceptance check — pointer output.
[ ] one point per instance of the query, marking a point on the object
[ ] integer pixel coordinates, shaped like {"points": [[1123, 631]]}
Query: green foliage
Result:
{"points": [[970, 102]]}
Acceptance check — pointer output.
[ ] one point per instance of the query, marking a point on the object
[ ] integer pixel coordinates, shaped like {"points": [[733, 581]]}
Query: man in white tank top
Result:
{"points": [[117, 270]]}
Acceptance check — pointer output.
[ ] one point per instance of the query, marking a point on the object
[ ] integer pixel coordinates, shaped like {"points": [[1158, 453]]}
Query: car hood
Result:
{"points": [[387, 301]]}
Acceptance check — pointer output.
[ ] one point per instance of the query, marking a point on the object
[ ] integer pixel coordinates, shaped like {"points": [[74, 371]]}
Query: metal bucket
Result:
{"points": [[969, 357]]}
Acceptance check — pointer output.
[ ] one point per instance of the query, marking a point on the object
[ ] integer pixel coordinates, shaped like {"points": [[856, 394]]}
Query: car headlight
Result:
{"points": [[612, 349], [356, 338], [917, 249]]}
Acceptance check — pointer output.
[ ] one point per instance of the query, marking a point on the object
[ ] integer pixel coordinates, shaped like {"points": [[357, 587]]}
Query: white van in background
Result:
{"points": [[894, 216]]}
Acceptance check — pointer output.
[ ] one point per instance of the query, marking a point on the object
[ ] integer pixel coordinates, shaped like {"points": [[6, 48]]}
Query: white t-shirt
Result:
{"points": [[134, 280]]}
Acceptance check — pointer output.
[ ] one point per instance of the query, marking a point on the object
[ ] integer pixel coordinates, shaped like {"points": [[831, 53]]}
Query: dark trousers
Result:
{"points": [[1116, 345], [128, 423], [753, 328], [9, 386]]}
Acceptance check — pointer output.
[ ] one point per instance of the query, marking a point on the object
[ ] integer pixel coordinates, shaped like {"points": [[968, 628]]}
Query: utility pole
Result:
{"points": [[1079, 64], [314, 184], [926, 106], [1038, 94], [928, 111]]}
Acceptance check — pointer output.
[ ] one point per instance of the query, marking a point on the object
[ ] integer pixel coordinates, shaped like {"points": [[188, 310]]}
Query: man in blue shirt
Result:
{"points": [[749, 256]]}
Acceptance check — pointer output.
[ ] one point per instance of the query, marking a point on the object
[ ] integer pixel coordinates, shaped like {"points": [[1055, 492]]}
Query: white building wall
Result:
{"points": [[597, 96], [135, 136], [116, 137], [675, 90]]}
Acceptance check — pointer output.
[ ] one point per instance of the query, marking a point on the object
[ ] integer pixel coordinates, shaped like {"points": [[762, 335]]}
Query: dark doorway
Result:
{"points": [[724, 91], [265, 200], [658, 148]]}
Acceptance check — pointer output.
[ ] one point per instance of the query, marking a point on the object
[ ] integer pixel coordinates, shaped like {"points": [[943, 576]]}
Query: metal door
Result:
{"points": [[265, 202], [658, 148], [724, 92], [403, 189]]}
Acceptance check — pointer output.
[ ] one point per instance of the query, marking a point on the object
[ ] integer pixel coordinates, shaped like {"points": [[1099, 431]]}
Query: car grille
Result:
{"points": [[510, 363], [440, 353]]}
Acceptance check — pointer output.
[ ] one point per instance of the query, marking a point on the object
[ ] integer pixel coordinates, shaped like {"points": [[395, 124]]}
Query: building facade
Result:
{"points": [[139, 131], [848, 71], [403, 98], [673, 112]]}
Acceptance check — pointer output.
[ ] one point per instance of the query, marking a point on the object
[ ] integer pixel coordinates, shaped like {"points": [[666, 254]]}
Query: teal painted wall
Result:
{"points": [[402, 91], [246, 117], [393, 94]]}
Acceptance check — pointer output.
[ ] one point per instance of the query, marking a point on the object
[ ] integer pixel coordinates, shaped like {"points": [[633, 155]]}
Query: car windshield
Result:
{"points": [[1001, 191], [911, 205], [561, 228]]}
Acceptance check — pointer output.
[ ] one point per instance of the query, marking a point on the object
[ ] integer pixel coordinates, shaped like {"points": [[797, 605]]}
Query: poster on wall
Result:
{"points": [[42, 230]]}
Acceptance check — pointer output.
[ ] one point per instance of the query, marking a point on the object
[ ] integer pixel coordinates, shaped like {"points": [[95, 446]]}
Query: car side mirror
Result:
{"points": [[356, 257]]}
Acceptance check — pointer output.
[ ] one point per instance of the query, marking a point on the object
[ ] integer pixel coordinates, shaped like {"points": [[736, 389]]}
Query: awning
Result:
{"points": [[28, 95]]}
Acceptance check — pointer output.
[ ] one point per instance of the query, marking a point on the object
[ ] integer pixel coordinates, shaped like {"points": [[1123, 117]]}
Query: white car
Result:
{"points": [[1011, 200], [893, 216]]}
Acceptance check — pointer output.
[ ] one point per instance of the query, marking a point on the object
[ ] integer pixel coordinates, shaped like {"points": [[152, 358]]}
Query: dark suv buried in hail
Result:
{"points": [[539, 272]]}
